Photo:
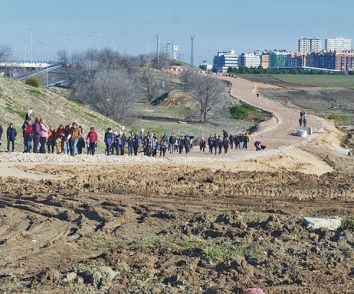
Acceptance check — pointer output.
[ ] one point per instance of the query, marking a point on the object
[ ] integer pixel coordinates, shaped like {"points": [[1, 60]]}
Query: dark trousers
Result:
{"points": [[108, 149], [135, 151], [42, 141], [50, 148], [12, 147], [92, 147], [36, 141]]}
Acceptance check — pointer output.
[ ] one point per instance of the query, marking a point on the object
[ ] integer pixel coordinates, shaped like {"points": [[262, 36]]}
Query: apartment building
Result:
{"points": [[249, 60], [309, 45], [225, 59], [338, 44]]}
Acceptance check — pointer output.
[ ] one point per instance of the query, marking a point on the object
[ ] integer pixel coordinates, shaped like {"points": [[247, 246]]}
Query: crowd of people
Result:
{"points": [[71, 139]]}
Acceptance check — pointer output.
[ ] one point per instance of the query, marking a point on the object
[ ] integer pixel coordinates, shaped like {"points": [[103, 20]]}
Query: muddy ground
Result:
{"points": [[175, 229]]}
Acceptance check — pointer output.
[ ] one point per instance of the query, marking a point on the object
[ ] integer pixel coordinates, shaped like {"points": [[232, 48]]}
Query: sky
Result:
{"points": [[131, 26]]}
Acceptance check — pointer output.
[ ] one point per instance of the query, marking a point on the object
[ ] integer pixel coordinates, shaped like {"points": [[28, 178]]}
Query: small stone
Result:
{"points": [[70, 277]]}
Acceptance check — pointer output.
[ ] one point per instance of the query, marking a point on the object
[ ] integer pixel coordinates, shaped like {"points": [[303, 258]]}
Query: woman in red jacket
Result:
{"points": [[91, 139]]}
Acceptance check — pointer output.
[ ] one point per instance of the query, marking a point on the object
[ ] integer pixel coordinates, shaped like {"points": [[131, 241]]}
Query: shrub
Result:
{"points": [[32, 82], [242, 111]]}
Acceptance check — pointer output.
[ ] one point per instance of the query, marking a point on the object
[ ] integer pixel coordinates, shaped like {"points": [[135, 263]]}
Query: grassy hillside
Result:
{"points": [[16, 98], [335, 81]]}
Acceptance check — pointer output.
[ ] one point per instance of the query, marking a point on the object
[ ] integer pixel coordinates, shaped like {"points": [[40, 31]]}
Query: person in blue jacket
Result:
{"points": [[11, 137], [109, 138]]}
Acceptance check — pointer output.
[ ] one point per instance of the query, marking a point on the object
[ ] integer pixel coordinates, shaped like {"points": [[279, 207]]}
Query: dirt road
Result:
{"points": [[277, 133]]}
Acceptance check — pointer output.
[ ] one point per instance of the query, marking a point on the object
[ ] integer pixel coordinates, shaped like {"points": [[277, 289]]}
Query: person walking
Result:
{"points": [[43, 135], [135, 143], [11, 135], [36, 134], [226, 145], [92, 139], [180, 144], [130, 145], [66, 139], [155, 146], [231, 140], [109, 140], [1, 131], [210, 144], [122, 143], [247, 139], [51, 140], [59, 137], [202, 145], [27, 131], [171, 142], [74, 138]]}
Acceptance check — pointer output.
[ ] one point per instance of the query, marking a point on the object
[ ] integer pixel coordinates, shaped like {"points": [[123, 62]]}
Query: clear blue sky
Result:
{"points": [[218, 25]]}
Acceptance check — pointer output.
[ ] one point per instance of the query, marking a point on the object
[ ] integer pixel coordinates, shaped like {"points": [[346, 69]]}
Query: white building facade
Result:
{"points": [[338, 44], [249, 60], [223, 60]]}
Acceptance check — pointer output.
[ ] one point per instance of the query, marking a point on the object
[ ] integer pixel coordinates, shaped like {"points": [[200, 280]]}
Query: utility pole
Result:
{"points": [[158, 49], [192, 49], [31, 44]]}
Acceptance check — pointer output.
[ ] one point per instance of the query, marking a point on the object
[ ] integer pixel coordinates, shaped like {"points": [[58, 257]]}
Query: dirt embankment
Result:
{"points": [[169, 229]]}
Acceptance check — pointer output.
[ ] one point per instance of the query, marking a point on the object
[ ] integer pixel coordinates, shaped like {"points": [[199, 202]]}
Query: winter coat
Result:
{"points": [[92, 137], [135, 142], [27, 130], [123, 140], [75, 133], [109, 138], [60, 133], [11, 134], [43, 130], [36, 129]]}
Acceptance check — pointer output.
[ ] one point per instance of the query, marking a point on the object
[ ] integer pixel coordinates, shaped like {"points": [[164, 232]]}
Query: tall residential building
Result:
{"points": [[309, 45], [338, 44], [249, 60], [225, 59]]}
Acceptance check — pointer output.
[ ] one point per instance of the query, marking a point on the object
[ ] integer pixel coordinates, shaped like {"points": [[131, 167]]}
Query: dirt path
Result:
{"points": [[276, 133]]}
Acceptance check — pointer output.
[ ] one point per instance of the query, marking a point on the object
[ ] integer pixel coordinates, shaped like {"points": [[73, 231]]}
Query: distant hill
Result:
{"points": [[16, 98]]}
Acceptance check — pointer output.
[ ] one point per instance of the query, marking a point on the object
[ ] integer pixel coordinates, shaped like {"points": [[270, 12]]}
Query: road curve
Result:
{"points": [[276, 133]]}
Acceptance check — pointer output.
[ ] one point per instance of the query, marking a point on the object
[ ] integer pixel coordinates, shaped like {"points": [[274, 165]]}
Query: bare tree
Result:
{"points": [[115, 92], [154, 84], [206, 91], [5, 52]]}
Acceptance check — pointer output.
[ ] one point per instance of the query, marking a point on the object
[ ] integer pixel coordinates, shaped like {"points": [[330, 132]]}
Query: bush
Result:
{"points": [[242, 111], [32, 82]]}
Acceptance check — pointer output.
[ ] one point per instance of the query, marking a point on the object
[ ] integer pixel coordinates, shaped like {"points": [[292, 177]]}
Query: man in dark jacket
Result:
{"points": [[135, 143], [1, 130], [11, 137]]}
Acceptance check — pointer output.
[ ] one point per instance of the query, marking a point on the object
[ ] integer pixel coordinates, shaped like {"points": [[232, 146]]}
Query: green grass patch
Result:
{"points": [[242, 111], [10, 108], [35, 92], [348, 223], [331, 81], [212, 251], [339, 118], [33, 82]]}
